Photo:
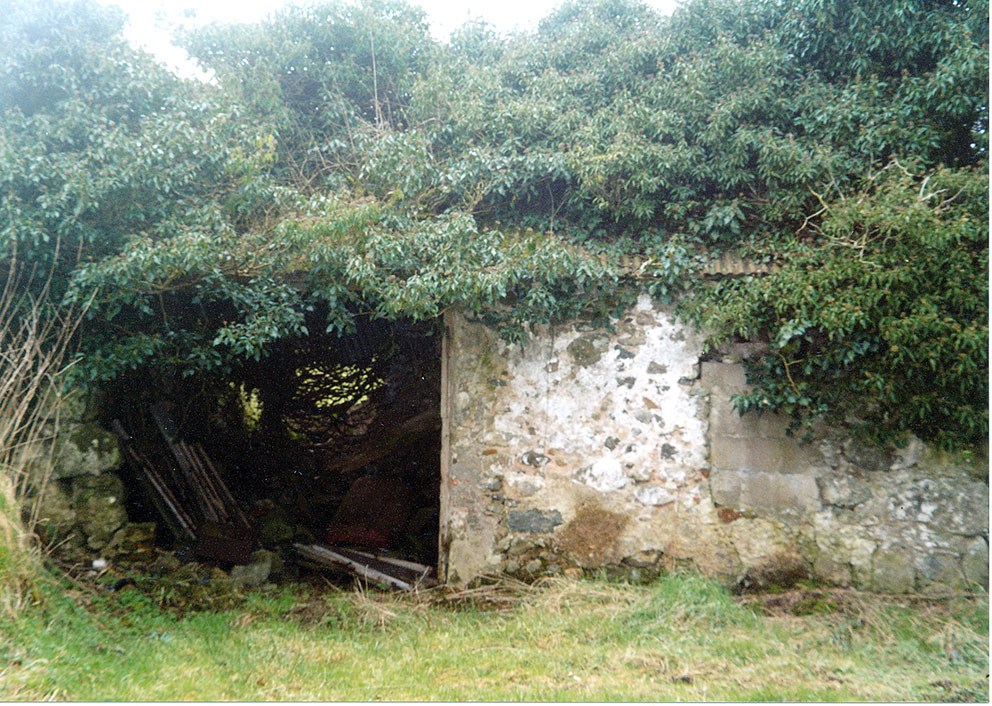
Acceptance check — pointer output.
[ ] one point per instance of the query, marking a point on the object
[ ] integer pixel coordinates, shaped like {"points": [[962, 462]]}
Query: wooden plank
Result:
{"points": [[202, 481], [225, 491], [412, 565], [165, 502], [206, 508], [327, 556], [417, 575]]}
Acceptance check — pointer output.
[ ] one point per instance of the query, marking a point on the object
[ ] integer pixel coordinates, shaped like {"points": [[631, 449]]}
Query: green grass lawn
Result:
{"points": [[681, 638]]}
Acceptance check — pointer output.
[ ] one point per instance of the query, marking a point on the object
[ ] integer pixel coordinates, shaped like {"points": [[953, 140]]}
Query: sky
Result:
{"points": [[149, 19]]}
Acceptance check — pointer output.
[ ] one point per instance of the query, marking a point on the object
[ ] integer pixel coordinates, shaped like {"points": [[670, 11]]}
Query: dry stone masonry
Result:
{"points": [[586, 448]]}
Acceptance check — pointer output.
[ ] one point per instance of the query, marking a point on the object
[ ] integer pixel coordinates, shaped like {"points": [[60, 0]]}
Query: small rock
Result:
{"points": [[654, 495], [604, 475], [638, 473], [166, 563], [542, 521], [535, 459], [133, 543], [587, 350], [257, 572], [519, 546], [611, 442], [908, 456], [843, 490], [533, 566]]}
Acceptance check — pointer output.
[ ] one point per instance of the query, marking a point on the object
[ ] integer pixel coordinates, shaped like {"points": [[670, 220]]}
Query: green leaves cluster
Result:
{"points": [[882, 324], [345, 164]]}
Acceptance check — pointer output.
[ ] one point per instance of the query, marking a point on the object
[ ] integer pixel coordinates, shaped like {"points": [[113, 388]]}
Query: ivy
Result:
{"points": [[345, 164]]}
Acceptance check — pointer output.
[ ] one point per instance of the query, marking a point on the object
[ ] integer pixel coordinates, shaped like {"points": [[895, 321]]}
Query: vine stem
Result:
{"points": [[788, 374]]}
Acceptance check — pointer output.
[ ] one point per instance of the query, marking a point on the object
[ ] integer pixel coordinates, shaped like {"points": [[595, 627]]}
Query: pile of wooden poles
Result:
{"points": [[187, 491]]}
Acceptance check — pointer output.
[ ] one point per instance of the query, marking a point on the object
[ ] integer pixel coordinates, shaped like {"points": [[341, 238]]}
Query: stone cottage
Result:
{"points": [[620, 450], [585, 448]]}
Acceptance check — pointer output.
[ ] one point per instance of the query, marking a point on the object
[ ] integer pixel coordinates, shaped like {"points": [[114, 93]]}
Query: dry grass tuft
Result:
{"points": [[33, 345]]}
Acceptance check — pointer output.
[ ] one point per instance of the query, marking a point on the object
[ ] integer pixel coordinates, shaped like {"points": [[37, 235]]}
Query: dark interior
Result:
{"points": [[329, 439]]}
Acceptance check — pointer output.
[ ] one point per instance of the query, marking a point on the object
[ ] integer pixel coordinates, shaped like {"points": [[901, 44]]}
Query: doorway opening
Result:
{"points": [[329, 440]]}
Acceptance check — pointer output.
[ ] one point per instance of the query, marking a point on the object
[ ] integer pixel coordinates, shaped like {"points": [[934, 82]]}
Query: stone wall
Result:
{"points": [[586, 448], [76, 499]]}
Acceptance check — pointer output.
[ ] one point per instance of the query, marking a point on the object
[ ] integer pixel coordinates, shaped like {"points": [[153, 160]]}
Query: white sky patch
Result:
{"points": [[151, 22]]}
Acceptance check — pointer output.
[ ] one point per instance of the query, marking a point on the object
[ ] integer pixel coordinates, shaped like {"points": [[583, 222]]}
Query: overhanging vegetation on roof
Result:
{"points": [[405, 176]]}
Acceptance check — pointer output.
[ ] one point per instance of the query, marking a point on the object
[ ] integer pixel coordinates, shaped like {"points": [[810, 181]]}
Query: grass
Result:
{"points": [[680, 639]]}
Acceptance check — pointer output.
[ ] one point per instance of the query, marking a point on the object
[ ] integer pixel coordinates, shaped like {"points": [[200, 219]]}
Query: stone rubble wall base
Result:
{"points": [[586, 448], [79, 497]]}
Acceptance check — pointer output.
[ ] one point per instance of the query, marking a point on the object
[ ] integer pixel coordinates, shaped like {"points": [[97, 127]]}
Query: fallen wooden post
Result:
{"points": [[376, 568]]}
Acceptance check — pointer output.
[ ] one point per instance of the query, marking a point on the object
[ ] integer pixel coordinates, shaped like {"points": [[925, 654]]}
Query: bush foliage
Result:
{"points": [[345, 163]]}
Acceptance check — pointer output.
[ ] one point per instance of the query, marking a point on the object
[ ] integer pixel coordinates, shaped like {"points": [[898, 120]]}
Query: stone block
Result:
{"points": [[727, 421], [726, 377], [962, 507], [134, 542], [894, 570], [975, 562], [781, 495], [941, 571], [865, 456], [725, 487], [843, 490], [826, 569], [85, 449], [257, 572], [762, 454], [757, 541], [776, 495], [99, 506], [543, 521], [588, 349], [56, 514]]}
